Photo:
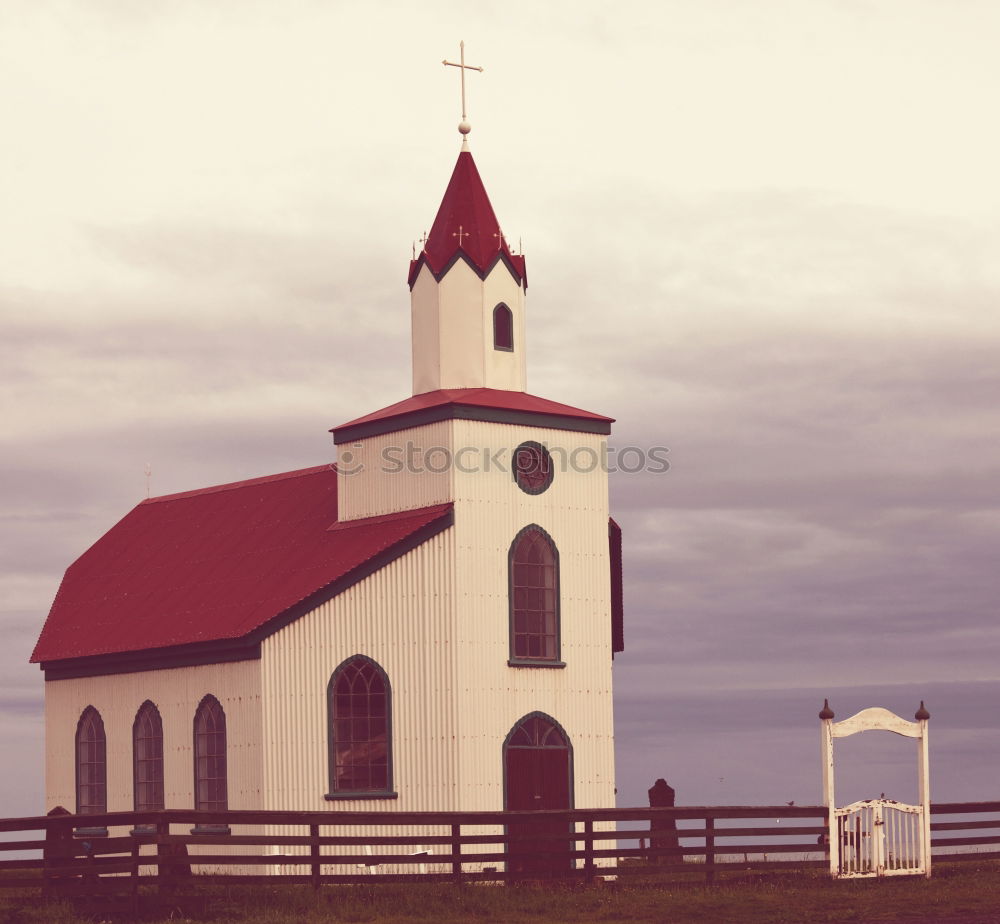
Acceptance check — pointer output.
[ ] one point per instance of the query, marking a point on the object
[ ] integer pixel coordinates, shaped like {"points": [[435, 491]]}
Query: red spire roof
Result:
{"points": [[466, 227]]}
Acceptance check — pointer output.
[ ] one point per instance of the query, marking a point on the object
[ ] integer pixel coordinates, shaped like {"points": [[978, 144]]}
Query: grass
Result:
{"points": [[966, 892]]}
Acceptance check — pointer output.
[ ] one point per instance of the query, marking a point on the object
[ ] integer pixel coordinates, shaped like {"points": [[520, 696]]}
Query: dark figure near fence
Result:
{"points": [[59, 849], [663, 831]]}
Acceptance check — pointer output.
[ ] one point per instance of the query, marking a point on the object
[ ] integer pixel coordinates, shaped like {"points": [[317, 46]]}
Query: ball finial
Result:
{"points": [[464, 127]]}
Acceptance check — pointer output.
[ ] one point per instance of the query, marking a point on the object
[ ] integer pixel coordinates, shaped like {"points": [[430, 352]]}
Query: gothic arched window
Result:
{"points": [[210, 770], [147, 759], [503, 328], [91, 764], [360, 717], [533, 564]]}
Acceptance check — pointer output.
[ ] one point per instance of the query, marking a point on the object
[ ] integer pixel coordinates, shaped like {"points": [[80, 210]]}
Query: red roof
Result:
{"points": [[466, 226], [219, 563], [526, 408]]}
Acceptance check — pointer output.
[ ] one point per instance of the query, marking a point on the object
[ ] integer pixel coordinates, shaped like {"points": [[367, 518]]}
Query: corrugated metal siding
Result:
{"points": [[503, 369], [379, 487], [455, 697], [399, 617], [489, 511], [176, 693]]}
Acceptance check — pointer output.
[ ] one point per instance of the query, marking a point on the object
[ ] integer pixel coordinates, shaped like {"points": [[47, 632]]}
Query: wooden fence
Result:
{"points": [[71, 855]]}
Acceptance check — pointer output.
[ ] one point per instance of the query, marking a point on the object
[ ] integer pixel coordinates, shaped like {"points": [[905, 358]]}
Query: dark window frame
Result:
{"points": [[502, 315], [89, 719], [515, 658], [147, 717], [335, 791], [208, 704], [519, 473]]}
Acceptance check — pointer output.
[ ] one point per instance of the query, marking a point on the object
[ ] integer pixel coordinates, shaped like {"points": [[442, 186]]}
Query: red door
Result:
{"points": [[537, 765]]}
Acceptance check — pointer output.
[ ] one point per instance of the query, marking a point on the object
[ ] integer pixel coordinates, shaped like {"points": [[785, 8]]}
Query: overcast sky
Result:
{"points": [[762, 234]]}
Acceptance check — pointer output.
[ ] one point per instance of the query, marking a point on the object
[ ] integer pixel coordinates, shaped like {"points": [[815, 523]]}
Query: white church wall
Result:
{"points": [[452, 322], [425, 338], [176, 693], [395, 471], [399, 617], [501, 368], [489, 512]]}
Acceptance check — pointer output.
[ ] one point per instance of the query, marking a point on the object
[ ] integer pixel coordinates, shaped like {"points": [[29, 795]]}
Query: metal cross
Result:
{"points": [[463, 67], [460, 234]]}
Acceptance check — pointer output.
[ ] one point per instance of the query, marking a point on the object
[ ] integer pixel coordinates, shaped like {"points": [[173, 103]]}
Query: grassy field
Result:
{"points": [[966, 892]]}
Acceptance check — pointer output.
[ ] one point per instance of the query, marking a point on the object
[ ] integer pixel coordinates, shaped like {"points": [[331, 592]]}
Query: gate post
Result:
{"points": [[826, 715], [923, 785]]}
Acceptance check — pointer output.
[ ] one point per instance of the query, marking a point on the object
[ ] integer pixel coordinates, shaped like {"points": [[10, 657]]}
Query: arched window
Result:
{"points": [[503, 328], [210, 772], [91, 764], [533, 564], [360, 716], [147, 759]]}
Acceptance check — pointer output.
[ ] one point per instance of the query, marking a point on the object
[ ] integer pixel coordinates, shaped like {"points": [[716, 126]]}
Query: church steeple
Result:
{"points": [[466, 287], [466, 227], [467, 294]]}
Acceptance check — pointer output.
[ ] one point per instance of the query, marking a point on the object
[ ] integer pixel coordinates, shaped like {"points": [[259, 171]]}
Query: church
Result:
{"points": [[428, 624]]}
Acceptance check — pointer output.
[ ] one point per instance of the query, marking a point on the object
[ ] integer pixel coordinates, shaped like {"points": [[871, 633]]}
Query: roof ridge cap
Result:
{"points": [[235, 485]]}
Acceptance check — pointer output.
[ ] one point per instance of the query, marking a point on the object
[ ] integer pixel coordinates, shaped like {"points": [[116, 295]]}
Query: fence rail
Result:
{"points": [[70, 855]]}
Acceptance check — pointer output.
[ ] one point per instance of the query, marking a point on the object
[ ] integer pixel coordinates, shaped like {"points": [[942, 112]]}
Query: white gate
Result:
{"points": [[878, 837]]}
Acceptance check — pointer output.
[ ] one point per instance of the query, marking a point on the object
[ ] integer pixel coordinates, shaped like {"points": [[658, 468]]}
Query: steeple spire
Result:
{"points": [[466, 227], [464, 127]]}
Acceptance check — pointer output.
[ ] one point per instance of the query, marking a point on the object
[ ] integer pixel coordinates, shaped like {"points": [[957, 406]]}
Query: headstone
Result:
{"points": [[663, 831]]}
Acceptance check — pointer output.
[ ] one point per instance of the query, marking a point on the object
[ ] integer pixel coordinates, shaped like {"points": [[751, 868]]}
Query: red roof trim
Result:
{"points": [[513, 262], [488, 404]]}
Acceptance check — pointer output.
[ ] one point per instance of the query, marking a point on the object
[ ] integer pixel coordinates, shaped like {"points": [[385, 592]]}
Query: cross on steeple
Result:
{"points": [[459, 234], [464, 127]]}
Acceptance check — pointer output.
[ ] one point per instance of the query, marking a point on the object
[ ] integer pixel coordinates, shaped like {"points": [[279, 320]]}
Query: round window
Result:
{"points": [[532, 467]]}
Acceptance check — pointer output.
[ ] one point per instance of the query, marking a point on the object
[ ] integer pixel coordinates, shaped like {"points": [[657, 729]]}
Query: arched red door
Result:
{"points": [[538, 771]]}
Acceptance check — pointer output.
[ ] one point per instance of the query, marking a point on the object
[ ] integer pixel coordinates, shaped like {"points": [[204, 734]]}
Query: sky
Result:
{"points": [[762, 235]]}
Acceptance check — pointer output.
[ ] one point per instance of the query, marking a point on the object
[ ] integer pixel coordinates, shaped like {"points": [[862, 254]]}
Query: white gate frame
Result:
{"points": [[877, 719]]}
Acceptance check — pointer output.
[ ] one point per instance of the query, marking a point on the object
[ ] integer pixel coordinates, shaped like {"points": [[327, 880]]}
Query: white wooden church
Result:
{"points": [[430, 627]]}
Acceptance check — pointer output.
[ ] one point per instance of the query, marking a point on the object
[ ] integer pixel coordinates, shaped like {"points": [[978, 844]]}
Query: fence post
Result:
{"points": [[709, 850], [134, 894], [456, 851], [58, 850], [588, 846], [314, 856]]}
